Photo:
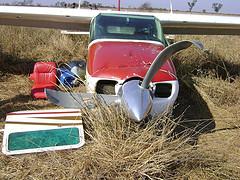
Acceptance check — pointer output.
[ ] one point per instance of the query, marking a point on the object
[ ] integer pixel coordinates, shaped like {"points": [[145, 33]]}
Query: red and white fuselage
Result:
{"points": [[119, 60]]}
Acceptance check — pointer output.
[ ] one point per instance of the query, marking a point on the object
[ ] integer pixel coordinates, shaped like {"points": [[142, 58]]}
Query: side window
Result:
{"points": [[92, 24], [160, 33]]}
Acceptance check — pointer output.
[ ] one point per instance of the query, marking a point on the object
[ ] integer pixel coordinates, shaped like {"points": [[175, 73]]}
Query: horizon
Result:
{"points": [[229, 6]]}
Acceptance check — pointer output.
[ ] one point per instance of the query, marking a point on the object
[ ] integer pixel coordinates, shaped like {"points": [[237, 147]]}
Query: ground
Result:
{"points": [[207, 110]]}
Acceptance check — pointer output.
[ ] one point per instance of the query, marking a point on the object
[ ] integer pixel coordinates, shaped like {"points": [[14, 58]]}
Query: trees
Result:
{"points": [[146, 5], [23, 3], [192, 4], [99, 5], [217, 6], [85, 4], [60, 4]]}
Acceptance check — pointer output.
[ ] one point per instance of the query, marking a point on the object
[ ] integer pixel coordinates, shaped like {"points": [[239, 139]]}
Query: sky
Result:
{"points": [[229, 6]]}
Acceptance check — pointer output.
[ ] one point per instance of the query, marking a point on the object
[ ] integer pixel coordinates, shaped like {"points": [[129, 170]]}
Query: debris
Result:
{"points": [[44, 130]]}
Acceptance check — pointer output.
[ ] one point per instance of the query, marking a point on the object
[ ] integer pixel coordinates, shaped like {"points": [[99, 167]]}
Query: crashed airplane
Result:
{"points": [[129, 58]]}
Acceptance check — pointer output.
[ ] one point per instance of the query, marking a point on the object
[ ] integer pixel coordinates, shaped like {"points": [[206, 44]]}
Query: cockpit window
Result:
{"points": [[136, 27], [121, 30]]}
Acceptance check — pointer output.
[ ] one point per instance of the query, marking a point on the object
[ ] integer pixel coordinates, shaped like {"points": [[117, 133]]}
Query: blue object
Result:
{"points": [[66, 77], [71, 72]]}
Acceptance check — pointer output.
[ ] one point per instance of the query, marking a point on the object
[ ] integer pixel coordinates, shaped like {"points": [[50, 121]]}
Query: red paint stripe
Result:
{"points": [[16, 113]]}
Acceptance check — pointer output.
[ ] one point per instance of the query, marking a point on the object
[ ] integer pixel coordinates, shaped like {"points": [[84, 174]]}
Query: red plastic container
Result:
{"points": [[44, 76]]}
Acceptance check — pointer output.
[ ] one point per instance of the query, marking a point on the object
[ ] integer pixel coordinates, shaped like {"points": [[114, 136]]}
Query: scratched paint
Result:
{"points": [[123, 60]]}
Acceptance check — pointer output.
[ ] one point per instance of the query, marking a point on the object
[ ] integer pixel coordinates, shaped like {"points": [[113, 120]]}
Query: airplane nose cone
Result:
{"points": [[138, 113], [136, 100]]}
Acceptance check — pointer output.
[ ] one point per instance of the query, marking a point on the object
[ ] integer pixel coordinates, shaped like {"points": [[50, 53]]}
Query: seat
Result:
{"points": [[44, 76]]}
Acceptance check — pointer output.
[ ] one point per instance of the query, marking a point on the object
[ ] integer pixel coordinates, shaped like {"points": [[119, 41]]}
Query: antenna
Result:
{"points": [[119, 5], [171, 6], [79, 4]]}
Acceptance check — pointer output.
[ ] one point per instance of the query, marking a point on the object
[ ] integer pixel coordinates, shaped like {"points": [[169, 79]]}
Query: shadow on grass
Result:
{"points": [[191, 107], [17, 99], [14, 65], [221, 67], [193, 112], [21, 102], [214, 65]]}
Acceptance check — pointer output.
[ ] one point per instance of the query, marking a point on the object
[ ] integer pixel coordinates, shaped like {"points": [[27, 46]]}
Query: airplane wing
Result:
{"points": [[79, 20], [46, 17]]}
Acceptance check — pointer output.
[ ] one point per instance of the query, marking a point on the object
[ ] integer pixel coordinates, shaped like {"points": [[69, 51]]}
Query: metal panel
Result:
{"points": [[37, 126]]}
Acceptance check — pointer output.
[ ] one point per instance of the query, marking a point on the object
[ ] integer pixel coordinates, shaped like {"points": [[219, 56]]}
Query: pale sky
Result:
{"points": [[229, 6]]}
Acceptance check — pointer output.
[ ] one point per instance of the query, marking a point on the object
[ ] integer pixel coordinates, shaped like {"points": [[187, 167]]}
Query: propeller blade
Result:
{"points": [[79, 100], [164, 55]]}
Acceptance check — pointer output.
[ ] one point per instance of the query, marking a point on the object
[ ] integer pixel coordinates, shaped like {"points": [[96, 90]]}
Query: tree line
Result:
{"points": [[86, 4], [216, 6]]}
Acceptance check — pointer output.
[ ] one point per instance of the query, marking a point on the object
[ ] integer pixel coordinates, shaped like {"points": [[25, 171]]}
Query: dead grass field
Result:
{"points": [[199, 141]]}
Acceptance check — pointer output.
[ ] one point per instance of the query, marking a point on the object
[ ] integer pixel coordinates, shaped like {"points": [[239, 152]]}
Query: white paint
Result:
{"points": [[74, 32], [33, 118], [161, 105], [79, 19], [91, 83], [124, 40]]}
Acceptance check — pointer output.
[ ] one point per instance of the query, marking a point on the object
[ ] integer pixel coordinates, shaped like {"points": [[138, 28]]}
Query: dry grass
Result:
{"points": [[41, 44], [214, 75], [21, 47], [117, 148]]}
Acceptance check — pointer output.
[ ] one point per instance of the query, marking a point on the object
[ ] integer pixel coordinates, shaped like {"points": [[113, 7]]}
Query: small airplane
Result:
{"points": [[129, 58], [128, 52]]}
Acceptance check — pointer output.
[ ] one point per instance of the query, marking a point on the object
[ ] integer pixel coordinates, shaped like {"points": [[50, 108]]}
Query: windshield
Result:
{"points": [[116, 26]]}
